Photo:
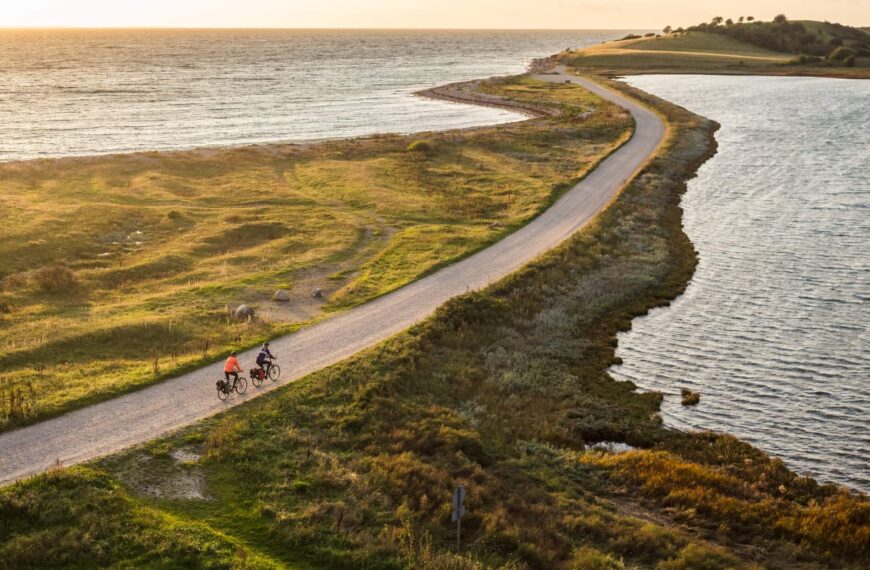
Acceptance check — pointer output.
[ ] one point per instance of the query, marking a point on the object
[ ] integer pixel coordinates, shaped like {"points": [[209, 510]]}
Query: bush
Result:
{"points": [[699, 557], [840, 54], [587, 558], [420, 146], [689, 398], [55, 278], [849, 61]]}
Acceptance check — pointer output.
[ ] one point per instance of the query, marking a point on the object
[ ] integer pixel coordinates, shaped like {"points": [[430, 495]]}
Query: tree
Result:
{"points": [[667, 30], [680, 30], [729, 22], [716, 21], [780, 19], [740, 19], [750, 18]]}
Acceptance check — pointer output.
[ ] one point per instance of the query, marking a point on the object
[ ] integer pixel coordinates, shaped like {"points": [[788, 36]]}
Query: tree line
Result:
{"points": [[790, 37]]}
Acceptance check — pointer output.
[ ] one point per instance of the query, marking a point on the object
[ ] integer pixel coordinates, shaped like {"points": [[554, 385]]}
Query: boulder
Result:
{"points": [[281, 295], [317, 293], [243, 312]]}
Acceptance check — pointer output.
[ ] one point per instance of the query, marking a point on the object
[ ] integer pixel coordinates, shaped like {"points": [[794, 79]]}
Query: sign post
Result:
{"points": [[458, 511]]}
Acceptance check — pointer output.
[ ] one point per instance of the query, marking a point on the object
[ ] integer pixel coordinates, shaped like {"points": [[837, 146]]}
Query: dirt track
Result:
{"points": [[143, 415]]}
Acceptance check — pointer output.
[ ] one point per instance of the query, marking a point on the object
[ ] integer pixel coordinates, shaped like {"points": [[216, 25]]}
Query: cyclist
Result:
{"points": [[232, 368], [264, 359]]}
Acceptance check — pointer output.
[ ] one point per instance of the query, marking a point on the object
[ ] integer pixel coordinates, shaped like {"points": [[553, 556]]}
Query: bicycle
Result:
{"points": [[224, 388], [272, 370]]}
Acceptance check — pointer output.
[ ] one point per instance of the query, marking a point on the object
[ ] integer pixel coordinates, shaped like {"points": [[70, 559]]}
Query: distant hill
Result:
{"points": [[804, 37]]}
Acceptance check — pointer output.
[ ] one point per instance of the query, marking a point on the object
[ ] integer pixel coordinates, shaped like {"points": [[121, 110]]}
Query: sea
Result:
{"points": [[773, 328], [84, 92]]}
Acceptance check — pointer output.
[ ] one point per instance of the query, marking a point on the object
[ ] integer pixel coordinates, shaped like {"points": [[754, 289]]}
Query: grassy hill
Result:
{"points": [[791, 48], [118, 271], [501, 391]]}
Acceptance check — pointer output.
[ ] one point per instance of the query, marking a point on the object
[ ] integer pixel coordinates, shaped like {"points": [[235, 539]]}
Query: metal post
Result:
{"points": [[459, 535]]}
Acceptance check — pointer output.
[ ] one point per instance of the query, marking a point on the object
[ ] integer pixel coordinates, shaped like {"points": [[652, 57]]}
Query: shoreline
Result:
{"points": [[435, 93]]}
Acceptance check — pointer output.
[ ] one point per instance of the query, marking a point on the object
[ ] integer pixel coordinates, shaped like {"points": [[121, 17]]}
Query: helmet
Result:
{"points": [[266, 344], [233, 353]]}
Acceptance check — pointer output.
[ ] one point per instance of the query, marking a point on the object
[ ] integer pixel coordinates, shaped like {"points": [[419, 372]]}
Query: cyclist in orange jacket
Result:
{"points": [[232, 368]]}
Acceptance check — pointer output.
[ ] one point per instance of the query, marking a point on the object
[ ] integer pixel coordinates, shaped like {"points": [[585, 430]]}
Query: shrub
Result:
{"points": [[849, 61], [699, 557], [54, 278], [420, 146], [586, 558], [689, 398], [840, 54]]}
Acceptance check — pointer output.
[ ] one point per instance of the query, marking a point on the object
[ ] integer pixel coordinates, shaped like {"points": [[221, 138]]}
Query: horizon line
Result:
{"points": [[275, 28]]}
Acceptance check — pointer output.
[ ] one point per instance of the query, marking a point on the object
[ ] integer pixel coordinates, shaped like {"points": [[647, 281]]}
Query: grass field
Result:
{"points": [[119, 271], [695, 52], [353, 467]]}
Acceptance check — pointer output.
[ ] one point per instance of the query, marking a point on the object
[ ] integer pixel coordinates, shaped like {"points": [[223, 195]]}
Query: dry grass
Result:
{"points": [[141, 255]]}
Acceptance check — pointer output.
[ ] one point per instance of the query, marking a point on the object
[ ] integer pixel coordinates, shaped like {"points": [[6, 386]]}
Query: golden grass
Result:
{"points": [[117, 271]]}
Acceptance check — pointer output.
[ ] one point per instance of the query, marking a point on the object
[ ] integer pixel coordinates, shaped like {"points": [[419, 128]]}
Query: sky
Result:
{"points": [[505, 14]]}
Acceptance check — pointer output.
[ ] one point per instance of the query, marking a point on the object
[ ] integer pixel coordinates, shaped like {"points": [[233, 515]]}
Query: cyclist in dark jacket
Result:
{"points": [[264, 359]]}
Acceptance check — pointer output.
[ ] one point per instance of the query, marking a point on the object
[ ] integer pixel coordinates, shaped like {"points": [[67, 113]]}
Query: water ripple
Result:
{"points": [[773, 327], [64, 93]]}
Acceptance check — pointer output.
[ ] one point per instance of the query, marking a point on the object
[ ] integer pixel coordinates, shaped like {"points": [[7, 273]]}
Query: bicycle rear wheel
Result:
{"points": [[223, 394], [256, 380], [274, 372], [241, 385]]}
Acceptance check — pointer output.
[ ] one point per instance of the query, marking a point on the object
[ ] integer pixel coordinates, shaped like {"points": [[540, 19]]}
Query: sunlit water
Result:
{"points": [[88, 92], [773, 328]]}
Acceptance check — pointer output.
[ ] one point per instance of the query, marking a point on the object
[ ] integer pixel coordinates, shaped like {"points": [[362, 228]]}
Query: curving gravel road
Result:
{"points": [[113, 425]]}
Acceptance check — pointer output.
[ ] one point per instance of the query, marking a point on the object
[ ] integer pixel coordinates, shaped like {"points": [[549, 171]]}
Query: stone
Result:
{"points": [[243, 311], [317, 293], [281, 295]]}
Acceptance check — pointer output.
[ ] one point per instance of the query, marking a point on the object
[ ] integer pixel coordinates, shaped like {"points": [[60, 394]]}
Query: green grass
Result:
{"points": [[159, 246], [704, 42], [353, 467]]}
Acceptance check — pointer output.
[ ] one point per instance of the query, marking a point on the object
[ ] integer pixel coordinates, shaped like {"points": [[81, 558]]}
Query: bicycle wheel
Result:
{"points": [[274, 372], [256, 380], [241, 385], [222, 393]]}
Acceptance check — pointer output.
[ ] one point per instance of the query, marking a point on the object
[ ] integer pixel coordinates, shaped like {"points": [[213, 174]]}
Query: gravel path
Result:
{"points": [[113, 425]]}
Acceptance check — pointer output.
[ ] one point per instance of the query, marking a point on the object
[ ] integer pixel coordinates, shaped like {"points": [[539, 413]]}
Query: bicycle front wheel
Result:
{"points": [[274, 372], [241, 386]]}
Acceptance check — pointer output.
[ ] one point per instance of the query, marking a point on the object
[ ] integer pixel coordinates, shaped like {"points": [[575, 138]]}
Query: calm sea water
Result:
{"points": [[773, 329], [88, 92]]}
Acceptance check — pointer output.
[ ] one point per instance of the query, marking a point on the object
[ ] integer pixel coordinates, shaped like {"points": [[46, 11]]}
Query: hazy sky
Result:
{"points": [[560, 14]]}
